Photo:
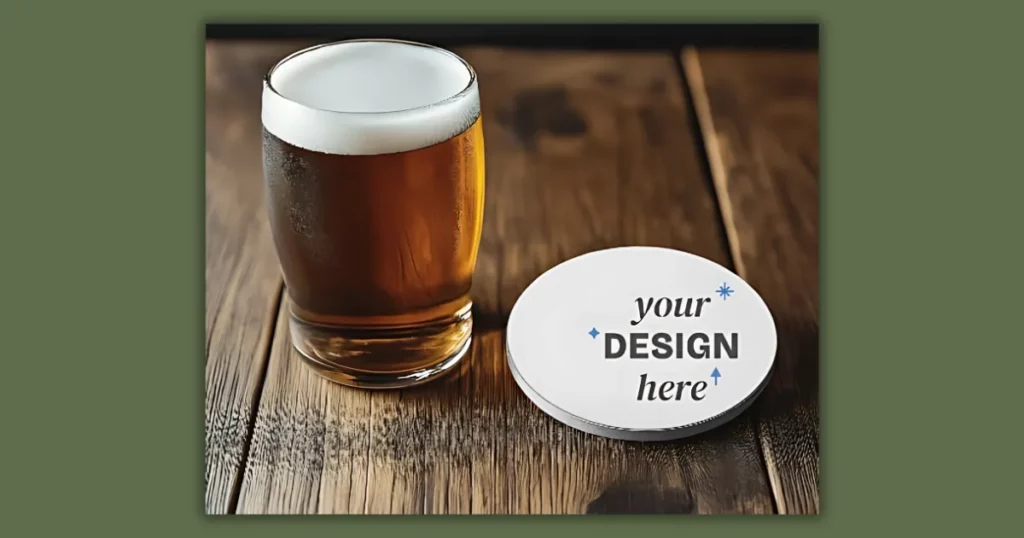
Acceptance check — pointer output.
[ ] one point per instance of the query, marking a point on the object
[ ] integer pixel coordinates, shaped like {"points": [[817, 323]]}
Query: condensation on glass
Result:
{"points": [[374, 180]]}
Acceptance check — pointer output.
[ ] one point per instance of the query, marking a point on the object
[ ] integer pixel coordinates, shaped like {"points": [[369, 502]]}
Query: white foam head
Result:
{"points": [[369, 97]]}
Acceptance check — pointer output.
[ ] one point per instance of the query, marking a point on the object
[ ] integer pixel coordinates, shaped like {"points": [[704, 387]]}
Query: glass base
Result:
{"points": [[384, 358]]}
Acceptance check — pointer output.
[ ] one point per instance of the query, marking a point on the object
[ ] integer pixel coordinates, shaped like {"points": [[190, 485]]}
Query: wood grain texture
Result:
{"points": [[310, 443], [242, 278], [588, 151], [759, 116], [584, 151]]}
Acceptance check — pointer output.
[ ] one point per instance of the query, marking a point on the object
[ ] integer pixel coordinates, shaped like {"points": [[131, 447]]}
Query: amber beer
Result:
{"points": [[374, 180]]}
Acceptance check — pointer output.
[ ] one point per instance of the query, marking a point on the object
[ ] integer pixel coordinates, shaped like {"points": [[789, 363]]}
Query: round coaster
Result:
{"points": [[641, 343]]}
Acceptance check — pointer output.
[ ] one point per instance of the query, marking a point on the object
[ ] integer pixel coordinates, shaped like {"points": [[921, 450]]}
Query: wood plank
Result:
{"points": [[587, 151], [584, 151], [242, 277], [319, 447], [311, 440], [759, 116]]}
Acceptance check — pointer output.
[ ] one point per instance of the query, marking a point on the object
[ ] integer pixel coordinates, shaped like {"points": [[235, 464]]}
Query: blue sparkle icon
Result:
{"points": [[725, 291], [594, 332]]}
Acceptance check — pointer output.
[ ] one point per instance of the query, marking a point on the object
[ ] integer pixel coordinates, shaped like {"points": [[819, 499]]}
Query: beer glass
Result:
{"points": [[373, 166]]}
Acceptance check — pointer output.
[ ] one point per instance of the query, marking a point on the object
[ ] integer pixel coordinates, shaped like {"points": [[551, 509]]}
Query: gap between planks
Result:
{"points": [[270, 329], [700, 123], [800, 499]]}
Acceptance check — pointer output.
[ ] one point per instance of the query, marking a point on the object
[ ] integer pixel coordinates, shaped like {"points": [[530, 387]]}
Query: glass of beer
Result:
{"points": [[373, 165]]}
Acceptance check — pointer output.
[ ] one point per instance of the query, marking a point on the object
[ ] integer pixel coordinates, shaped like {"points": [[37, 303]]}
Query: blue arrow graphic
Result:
{"points": [[716, 375]]}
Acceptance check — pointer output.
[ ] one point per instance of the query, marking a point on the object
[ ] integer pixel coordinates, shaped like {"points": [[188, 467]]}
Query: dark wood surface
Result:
{"points": [[585, 150], [759, 118], [243, 281]]}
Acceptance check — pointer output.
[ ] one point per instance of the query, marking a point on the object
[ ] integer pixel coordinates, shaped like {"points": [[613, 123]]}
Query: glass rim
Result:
{"points": [[453, 98]]}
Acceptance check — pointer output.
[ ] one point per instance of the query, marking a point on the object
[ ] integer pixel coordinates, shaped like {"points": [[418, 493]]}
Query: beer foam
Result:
{"points": [[369, 97]]}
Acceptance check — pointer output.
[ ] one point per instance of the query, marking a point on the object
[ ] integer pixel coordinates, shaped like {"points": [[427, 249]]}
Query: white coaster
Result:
{"points": [[641, 343]]}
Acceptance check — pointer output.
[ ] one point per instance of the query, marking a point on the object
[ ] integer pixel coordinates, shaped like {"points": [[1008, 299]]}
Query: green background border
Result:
{"points": [[102, 227]]}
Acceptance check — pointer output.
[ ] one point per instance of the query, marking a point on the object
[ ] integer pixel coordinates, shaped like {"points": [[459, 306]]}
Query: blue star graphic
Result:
{"points": [[725, 291], [594, 332]]}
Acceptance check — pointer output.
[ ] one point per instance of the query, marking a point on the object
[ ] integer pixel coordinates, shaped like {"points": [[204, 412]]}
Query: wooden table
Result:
{"points": [[712, 152]]}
